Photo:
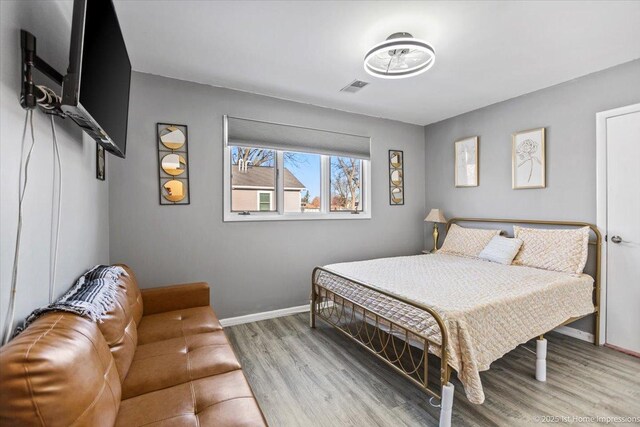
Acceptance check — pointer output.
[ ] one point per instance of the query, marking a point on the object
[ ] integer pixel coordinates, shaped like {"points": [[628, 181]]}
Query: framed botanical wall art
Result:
{"points": [[528, 159], [466, 162], [396, 177]]}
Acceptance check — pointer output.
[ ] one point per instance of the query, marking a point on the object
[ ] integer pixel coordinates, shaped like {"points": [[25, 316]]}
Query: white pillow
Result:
{"points": [[501, 250]]}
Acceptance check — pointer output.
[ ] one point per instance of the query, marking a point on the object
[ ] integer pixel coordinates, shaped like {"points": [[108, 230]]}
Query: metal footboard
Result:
{"points": [[403, 348]]}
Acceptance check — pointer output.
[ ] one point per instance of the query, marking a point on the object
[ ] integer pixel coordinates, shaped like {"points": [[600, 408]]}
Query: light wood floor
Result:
{"points": [[307, 377]]}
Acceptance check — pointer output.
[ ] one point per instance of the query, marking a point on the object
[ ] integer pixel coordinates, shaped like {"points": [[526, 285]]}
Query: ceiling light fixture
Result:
{"points": [[398, 57]]}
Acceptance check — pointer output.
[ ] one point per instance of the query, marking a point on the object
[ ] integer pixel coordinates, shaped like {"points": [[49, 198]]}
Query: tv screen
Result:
{"points": [[96, 88]]}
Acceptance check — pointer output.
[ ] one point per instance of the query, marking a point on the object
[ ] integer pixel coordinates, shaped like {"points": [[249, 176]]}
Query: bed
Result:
{"points": [[464, 311]]}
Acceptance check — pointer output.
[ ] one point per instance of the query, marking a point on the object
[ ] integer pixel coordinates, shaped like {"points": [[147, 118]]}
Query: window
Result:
{"points": [[264, 201], [302, 179], [283, 172], [253, 180], [346, 182], [271, 184]]}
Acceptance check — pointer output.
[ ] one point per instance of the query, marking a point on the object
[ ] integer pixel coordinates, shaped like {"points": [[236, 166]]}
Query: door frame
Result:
{"points": [[601, 201]]}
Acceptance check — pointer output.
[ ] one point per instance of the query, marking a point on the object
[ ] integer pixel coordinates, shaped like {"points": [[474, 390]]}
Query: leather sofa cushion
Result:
{"points": [[59, 372], [133, 293], [176, 361], [178, 323], [175, 297], [220, 400], [119, 328]]}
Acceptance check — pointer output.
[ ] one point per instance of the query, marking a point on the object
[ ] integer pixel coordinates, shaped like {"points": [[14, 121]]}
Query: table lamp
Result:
{"points": [[436, 216]]}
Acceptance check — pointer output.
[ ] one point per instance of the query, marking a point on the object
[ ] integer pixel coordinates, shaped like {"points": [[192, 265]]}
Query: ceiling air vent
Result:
{"points": [[354, 86]]}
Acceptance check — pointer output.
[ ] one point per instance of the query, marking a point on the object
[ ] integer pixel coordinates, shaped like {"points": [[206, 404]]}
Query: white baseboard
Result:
{"points": [[575, 333], [239, 320], [263, 316]]}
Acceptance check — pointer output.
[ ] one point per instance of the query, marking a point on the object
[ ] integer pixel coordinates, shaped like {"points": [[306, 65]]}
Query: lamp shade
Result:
{"points": [[435, 215]]}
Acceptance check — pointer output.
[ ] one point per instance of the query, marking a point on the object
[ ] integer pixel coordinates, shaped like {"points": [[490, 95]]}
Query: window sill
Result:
{"points": [[235, 217]]}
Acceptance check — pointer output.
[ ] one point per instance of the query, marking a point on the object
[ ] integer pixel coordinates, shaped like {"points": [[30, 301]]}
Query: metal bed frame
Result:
{"points": [[406, 349]]}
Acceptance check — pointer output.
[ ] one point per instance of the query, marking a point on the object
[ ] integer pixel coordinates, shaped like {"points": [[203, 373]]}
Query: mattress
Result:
{"points": [[488, 309]]}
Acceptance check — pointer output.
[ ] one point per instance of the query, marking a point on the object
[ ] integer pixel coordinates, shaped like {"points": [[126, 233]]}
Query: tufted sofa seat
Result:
{"points": [[159, 358]]}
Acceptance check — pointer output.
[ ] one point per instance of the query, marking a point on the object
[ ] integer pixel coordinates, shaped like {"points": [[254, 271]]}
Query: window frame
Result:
{"points": [[279, 214]]}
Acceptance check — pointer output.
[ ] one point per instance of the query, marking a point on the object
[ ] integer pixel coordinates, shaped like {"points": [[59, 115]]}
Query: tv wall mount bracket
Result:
{"points": [[33, 95]]}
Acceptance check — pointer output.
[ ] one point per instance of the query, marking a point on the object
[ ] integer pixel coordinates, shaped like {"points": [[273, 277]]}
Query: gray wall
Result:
{"points": [[84, 234], [257, 266], [567, 111]]}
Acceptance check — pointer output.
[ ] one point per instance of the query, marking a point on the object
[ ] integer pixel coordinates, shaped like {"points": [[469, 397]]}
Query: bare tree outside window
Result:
{"points": [[261, 157], [346, 183], [252, 156]]}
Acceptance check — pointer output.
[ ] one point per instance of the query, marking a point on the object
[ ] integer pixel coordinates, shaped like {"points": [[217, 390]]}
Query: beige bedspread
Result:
{"points": [[488, 308]]}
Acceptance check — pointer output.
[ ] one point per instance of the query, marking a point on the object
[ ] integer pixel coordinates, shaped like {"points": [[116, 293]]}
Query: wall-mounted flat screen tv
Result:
{"points": [[95, 91]]}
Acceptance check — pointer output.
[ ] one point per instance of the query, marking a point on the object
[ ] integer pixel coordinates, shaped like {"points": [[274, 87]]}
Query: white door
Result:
{"points": [[623, 230]]}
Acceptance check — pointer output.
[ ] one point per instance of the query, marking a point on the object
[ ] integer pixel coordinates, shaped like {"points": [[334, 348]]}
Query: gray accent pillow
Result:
{"points": [[501, 250]]}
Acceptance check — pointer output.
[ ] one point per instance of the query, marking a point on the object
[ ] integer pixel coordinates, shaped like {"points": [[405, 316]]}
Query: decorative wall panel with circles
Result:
{"points": [[173, 164], [396, 177]]}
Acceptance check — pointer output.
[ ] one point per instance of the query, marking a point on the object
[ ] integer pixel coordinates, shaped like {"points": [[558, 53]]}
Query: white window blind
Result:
{"points": [[275, 136]]}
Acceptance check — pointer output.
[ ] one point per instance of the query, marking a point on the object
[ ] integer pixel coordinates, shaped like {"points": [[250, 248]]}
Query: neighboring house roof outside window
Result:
{"points": [[262, 177]]}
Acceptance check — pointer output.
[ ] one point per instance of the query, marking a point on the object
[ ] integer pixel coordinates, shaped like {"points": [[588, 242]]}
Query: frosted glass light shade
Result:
{"points": [[399, 56]]}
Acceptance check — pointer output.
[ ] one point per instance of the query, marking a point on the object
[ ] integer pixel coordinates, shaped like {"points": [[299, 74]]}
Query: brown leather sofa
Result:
{"points": [[160, 358]]}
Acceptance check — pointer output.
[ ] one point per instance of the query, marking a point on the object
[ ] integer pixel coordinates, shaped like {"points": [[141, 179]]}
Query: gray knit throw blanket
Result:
{"points": [[92, 296]]}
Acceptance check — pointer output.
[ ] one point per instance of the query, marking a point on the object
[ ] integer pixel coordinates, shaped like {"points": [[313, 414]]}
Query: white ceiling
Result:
{"points": [[487, 51]]}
